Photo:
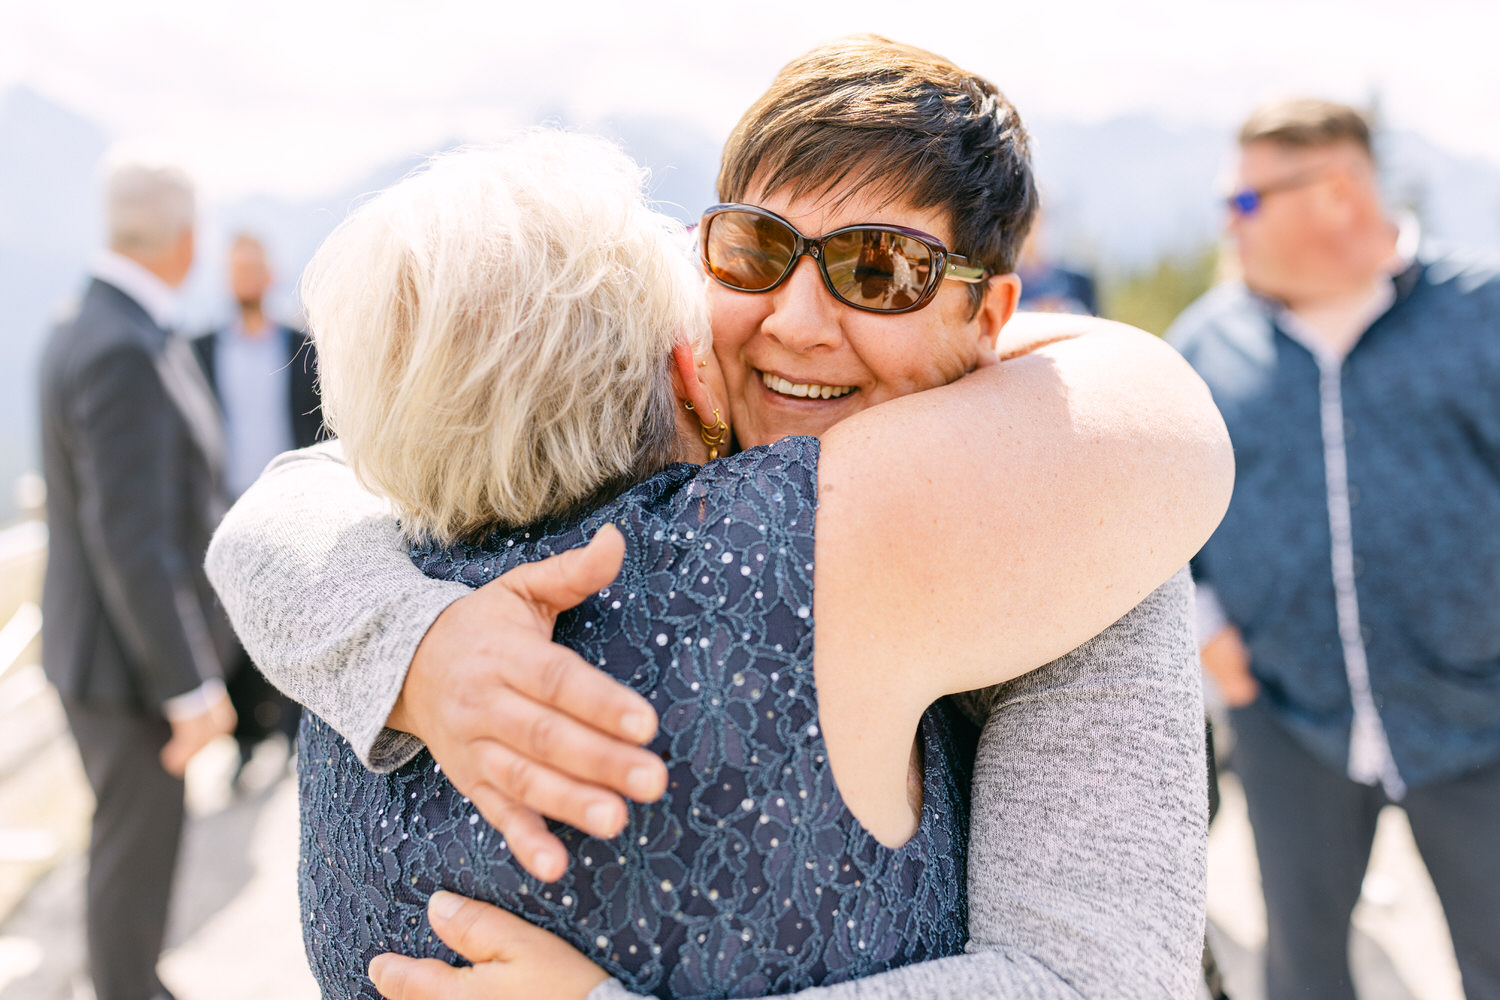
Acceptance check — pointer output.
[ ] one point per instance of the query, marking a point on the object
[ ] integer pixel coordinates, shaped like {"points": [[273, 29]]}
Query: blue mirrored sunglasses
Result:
{"points": [[1246, 201]]}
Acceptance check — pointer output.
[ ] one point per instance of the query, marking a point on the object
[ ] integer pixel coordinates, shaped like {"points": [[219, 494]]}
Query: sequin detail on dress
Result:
{"points": [[750, 876]]}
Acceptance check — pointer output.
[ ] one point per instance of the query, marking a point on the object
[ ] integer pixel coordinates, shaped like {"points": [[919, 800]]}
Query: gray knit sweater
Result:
{"points": [[1087, 869]]}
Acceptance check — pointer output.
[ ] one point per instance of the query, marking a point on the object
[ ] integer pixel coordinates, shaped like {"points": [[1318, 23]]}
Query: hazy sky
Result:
{"points": [[297, 97]]}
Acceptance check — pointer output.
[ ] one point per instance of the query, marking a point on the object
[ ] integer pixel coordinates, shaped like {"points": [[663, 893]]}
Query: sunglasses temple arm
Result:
{"points": [[963, 272]]}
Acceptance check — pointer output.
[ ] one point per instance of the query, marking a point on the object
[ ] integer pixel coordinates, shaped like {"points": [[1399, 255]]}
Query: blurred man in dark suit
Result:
{"points": [[263, 374], [132, 452]]}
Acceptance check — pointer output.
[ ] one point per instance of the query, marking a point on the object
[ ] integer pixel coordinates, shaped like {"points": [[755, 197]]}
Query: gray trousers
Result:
{"points": [[133, 845], [1314, 829]]}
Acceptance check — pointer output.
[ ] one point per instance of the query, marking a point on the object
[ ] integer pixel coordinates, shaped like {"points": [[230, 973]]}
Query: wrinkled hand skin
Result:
{"points": [[511, 958], [524, 727]]}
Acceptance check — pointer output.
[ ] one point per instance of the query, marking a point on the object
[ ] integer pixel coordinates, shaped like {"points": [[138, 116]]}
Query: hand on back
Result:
{"points": [[511, 957], [522, 726]]}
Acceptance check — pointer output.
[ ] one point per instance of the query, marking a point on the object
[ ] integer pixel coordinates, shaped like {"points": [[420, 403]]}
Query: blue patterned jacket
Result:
{"points": [[1420, 399]]}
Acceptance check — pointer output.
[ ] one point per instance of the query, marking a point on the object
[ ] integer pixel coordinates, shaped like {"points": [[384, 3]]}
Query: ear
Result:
{"points": [[698, 384], [1001, 295], [687, 379]]}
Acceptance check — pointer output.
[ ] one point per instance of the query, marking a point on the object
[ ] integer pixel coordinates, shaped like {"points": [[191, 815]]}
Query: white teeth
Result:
{"points": [[787, 388]]}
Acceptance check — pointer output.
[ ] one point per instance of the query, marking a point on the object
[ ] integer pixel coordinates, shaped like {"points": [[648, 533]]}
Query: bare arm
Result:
{"points": [[989, 526], [1088, 837]]}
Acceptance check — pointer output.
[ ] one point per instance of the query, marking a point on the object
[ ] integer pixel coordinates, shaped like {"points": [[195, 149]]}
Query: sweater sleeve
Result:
{"points": [[1088, 850], [314, 573]]}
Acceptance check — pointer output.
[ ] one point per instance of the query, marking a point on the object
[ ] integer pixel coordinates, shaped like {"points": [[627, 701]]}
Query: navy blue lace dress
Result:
{"points": [[750, 876]]}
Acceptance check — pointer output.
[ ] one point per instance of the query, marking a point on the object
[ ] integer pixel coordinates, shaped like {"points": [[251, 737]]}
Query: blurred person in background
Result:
{"points": [[263, 374], [1350, 601], [131, 636], [1047, 286]]}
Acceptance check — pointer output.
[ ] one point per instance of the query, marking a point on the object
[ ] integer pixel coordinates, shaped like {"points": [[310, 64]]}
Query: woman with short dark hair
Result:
{"points": [[939, 568]]}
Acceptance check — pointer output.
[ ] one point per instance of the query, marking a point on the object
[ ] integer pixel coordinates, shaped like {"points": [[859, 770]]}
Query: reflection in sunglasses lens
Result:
{"points": [[748, 251], [877, 269]]}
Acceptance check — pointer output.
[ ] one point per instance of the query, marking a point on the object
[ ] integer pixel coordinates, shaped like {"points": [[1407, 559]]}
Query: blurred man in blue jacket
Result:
{"points": [[1352, 593]]}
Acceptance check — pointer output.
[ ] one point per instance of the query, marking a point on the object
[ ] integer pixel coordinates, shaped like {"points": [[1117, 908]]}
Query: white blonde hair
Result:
{"points": [[495, 331], [147, 204]]}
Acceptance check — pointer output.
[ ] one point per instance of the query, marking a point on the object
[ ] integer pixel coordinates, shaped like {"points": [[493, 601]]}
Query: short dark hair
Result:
{"points": [[1307, 123], [870, 112]]}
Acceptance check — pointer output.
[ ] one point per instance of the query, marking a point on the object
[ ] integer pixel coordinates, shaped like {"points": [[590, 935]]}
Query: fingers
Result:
{"points": [[188, 737], [579, 753], [511, 958], [174, 757], [562, 581], [400, 978], [1227, 660], [512, 789], [224, 716], [1239, 692], [477, 931], [556, 676], [538, 786], [534, 847], [550, 673]]}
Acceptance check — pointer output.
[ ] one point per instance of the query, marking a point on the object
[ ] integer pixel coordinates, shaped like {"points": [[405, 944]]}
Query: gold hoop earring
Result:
{"points": [[714, 434]]}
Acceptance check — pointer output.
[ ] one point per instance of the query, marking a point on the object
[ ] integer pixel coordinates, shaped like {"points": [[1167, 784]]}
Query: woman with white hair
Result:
{"points": [[514, 353]]}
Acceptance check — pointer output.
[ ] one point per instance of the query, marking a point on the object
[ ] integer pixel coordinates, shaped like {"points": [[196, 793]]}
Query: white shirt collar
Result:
{"points": [[1408, 238], [1331, 348], [152, 294]]}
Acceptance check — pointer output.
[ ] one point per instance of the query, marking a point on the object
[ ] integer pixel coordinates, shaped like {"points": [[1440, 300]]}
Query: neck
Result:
{"points": [[253, 320], [159, 265], [690, 447], [1338, 323], [1335, 298]]}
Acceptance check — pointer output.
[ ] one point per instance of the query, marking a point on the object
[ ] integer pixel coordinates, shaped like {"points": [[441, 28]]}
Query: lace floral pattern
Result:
{"points": [[750, 876]]}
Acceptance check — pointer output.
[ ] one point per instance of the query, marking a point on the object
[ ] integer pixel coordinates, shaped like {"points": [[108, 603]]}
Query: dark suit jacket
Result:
{"points": [[133, 494], [301, 369]]}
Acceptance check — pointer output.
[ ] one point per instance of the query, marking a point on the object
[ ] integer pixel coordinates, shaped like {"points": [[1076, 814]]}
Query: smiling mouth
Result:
{"points": [[804, 390]]}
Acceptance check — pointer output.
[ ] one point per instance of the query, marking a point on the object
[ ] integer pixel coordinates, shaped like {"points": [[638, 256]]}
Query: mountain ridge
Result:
{"points": [[1121, 194]]}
